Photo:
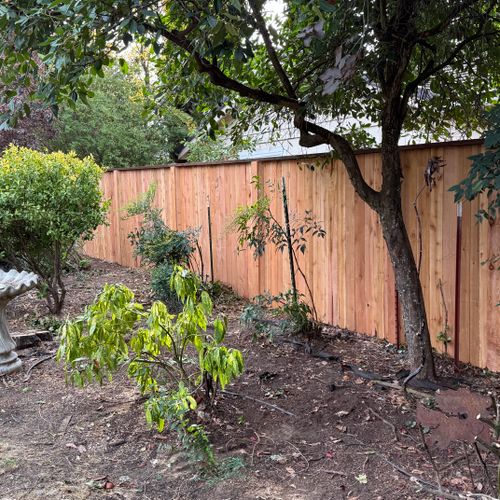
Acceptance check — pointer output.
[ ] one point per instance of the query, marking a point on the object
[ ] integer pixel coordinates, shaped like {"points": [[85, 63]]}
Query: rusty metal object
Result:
{"points": [[455, 418]]}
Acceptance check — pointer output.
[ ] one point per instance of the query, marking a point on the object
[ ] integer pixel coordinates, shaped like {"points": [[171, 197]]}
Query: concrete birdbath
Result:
{"points": [[12, 284]]}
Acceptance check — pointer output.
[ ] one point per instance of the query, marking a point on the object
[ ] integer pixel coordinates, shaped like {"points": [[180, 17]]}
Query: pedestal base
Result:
{"points": [[9, 363]]}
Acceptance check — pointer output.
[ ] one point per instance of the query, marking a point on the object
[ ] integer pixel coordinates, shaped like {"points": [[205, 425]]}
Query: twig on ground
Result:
{"points": [[253, 448], [302, 455], [391, 425], [429, 454], [39, 362], [265, 403], [64, 425], [334, 472], [468, 465], [453, 462], [485, 467]]}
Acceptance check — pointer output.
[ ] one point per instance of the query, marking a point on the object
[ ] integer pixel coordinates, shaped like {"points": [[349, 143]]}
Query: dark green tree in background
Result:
{"points": [[404, 65], [113, 128]]}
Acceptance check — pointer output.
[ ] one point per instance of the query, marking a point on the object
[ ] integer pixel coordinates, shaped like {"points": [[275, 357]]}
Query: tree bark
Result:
{"points": [[409, 289], [406, 274]]}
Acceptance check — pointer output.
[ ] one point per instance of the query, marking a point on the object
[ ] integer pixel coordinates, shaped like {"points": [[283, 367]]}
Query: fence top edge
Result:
{"points": [[408, 147]]}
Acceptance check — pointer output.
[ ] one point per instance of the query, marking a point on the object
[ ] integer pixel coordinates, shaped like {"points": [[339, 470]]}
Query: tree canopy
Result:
{"points": [[321, 57]]}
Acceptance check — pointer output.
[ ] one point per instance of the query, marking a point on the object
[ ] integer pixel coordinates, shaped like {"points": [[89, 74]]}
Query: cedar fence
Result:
{"points": [[349, 271]]}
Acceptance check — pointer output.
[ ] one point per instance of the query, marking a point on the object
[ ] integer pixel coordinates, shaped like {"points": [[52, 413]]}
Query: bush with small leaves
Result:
{"points": [[48, 202]]}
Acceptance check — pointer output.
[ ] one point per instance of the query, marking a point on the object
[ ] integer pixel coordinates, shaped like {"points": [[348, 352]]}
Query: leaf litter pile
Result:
{"points": [[294, 426]]}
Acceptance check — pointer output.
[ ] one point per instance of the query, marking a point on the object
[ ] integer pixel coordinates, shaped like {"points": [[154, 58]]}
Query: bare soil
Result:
{"points": [[348, 437]]}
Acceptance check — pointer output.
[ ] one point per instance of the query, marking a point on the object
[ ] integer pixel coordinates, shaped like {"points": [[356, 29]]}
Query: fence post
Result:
{"points": [[253, 265]]}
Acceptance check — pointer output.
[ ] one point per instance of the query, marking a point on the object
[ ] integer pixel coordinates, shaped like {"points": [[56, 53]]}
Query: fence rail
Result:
{"points": [[349, 271]]}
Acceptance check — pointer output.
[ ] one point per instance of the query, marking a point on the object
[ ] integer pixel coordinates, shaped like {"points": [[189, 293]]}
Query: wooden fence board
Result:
{"points": [[350, 271]]}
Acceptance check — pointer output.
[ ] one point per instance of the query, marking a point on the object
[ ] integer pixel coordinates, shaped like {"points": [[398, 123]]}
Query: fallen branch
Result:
{"points": [[39, 362], [433, 463], [398, 387], [391, 425], [485, 467], [334, 472], [265, 403], [302, 455]]}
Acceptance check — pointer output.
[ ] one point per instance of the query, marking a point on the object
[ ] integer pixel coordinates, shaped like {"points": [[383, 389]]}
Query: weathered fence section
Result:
{"points": [[349, 271]]}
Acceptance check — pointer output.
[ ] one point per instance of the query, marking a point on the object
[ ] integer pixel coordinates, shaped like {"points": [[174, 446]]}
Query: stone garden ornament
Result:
{"points": [[12, 284]]}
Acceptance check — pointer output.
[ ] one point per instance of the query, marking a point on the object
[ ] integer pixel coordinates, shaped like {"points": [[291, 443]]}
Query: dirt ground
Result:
{"points": [[332, 436]]}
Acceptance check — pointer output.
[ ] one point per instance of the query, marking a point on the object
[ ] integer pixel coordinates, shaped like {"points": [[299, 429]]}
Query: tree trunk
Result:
{"points": [[408, 286]]}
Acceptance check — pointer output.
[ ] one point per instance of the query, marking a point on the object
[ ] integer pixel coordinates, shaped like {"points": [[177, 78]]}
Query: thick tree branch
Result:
{"points": [[260, 23], [217, 76], [312, 134]]}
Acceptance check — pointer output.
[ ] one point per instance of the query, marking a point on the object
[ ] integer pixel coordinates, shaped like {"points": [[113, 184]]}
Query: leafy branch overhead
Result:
{"points": [[484, 175]]}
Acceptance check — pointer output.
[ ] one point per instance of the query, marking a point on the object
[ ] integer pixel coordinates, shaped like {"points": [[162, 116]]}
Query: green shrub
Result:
{"points": [[175, 360], [153, 241], [161, 247], [160, 284], [48, 202], [279, 314]]}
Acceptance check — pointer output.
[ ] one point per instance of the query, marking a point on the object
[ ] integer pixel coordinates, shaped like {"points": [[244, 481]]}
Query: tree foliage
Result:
{"points": [[113, 128], [37, 123], [219, 148], [484, 174], [447, 50], [48, 202]]}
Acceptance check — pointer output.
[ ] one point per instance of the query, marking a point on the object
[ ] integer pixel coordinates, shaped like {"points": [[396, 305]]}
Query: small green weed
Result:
{"points": [[49, 323]]}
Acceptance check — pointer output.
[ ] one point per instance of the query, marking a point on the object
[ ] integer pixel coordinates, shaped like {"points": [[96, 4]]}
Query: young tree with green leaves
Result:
{"points": [[176, 360], [406, 65]]}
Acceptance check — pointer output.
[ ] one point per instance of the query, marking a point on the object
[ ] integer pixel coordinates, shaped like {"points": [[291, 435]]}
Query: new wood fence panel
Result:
{"points": [[349, 271]]}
